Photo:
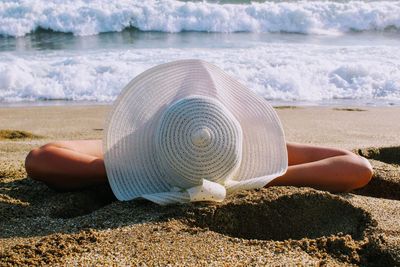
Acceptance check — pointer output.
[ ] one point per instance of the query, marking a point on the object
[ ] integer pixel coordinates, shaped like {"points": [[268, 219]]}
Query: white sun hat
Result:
{"points": [[186, 131]]}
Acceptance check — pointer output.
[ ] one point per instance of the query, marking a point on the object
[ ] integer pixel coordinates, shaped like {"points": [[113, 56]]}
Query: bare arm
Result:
{"points": [[324, 168]]}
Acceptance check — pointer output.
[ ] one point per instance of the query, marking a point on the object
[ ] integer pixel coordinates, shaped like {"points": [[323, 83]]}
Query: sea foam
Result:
{"points": [[20, 17], [302, 72]]}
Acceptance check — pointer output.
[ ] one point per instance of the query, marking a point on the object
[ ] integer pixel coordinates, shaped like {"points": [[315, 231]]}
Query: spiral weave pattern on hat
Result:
{"points": [[198, 138]]}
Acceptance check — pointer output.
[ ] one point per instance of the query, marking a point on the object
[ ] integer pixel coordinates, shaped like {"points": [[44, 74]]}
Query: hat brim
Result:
{"points": [[128, 142]]}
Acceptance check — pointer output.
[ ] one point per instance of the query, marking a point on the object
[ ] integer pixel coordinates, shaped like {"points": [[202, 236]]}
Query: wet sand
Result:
{"points": [[270, 226]]}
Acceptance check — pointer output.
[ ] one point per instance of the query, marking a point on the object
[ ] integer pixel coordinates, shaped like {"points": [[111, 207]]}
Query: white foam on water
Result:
{"points": [[20, 17], [302, 72]]}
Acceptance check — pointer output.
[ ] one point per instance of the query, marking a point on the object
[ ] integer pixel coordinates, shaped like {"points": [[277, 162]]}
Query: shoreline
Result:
{"points": [[340, 103]]}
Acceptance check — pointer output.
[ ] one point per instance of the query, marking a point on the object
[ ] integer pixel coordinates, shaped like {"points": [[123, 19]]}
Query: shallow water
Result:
{"points": [[302, 53]]}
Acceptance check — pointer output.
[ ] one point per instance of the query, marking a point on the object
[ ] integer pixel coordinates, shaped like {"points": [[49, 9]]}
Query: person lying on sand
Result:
{"points": [[186, 131]]}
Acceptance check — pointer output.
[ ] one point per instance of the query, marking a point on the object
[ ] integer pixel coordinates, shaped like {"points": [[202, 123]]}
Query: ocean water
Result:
{"points": [[290, 52]]}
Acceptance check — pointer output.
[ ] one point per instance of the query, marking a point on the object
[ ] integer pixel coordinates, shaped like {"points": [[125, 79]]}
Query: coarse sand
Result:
{"points": [[273, 226]]}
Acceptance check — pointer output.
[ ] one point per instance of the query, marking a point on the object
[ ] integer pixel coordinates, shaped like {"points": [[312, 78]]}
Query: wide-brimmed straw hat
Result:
{"points": [[186, 131]]}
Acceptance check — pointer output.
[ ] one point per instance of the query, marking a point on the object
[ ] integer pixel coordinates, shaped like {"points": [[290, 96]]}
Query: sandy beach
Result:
{"points": [[272, 226]]}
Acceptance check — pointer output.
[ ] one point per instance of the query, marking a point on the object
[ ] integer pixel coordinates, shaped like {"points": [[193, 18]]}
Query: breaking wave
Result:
{"points": [[80, 17]]}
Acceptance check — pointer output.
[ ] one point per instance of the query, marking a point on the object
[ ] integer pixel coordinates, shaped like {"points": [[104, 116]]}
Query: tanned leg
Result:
{"points": [[67, 165], [324, 168]]}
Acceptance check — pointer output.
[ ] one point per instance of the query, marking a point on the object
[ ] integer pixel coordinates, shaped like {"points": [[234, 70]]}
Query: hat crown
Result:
{"points": [[198, 138], [201, 137]]}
